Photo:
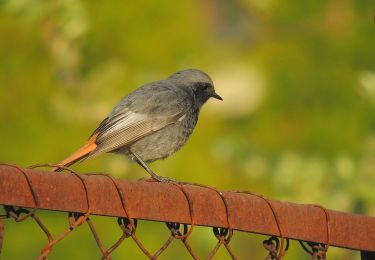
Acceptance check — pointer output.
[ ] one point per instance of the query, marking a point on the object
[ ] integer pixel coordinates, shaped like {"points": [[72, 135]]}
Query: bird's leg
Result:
{"points": [[153, 175]]}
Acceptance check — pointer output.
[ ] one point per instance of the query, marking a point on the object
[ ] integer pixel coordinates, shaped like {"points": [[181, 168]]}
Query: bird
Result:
{"points": [[152, 122]]}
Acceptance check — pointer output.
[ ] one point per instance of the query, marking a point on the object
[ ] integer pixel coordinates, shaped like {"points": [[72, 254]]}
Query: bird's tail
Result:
{"points": [[78, 155]]}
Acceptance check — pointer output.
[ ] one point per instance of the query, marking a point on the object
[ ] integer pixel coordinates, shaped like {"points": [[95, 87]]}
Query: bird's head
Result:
{"points": [[198, 82]]}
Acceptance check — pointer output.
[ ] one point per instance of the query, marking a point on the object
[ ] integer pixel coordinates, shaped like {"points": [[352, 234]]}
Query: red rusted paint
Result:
{"points": [[166, 202]]}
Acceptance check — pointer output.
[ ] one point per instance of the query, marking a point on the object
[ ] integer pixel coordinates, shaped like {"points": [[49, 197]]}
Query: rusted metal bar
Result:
{"points": [[165, 202]]}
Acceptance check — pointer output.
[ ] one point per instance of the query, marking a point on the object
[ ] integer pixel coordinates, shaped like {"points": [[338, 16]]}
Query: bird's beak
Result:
{"points": [[217, 96]]}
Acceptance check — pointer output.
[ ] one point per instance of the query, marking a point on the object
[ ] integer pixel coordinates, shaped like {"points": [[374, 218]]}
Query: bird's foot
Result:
{"points": [[157, 178], [163, 179]]}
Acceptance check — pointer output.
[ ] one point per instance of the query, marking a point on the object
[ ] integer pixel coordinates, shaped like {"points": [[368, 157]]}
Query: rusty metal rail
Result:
{"points": [[165, 202]]}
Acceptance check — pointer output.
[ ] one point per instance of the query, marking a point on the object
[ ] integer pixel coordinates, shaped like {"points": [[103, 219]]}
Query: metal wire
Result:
{"points": [[281, 249]]}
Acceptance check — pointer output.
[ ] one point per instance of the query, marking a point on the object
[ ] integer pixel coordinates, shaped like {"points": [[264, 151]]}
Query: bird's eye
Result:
{"points": [[204, 85]]}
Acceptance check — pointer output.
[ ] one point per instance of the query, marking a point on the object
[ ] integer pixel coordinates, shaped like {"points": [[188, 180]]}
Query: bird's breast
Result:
{"points": [[166, 141]]}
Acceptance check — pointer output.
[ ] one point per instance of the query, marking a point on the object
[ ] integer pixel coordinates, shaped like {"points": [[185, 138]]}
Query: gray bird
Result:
{"points": [[152, 122]]}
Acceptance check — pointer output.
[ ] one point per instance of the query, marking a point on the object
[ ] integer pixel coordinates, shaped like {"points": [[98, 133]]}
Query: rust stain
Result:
{"points": [[166, 202]]}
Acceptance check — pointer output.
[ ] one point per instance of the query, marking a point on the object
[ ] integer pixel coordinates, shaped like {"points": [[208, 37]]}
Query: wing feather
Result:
{"points": [[129, 128]]}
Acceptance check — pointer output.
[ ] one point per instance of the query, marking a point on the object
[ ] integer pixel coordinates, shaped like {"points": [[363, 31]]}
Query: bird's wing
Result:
{"points": [[141, 113], [127, 127], [117, 131]]}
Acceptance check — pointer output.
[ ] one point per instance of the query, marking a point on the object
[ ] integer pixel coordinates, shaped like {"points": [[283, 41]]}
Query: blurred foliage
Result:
{"points": [[298, 81]]}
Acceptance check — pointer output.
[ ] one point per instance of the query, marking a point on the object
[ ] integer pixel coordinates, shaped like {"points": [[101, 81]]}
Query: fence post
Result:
{"points": [[1, 234], [366, 255]]}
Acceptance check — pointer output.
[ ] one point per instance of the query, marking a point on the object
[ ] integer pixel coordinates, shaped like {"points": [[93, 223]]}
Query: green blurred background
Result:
{"points": [[297, 122]]}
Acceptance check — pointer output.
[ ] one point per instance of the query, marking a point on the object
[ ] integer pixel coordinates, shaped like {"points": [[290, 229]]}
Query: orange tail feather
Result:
{"points": [[79, 154]]}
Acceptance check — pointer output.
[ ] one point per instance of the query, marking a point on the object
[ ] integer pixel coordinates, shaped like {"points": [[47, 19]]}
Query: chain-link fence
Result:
{"points": [[182, 206]]}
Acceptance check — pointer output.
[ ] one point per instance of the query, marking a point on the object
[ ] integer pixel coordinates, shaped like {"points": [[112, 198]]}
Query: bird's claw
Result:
{"points": [[157, 178], [163, 179]]}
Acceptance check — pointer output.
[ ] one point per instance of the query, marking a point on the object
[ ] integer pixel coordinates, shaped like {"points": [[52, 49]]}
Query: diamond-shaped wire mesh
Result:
{"points": [[276, 247]]}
